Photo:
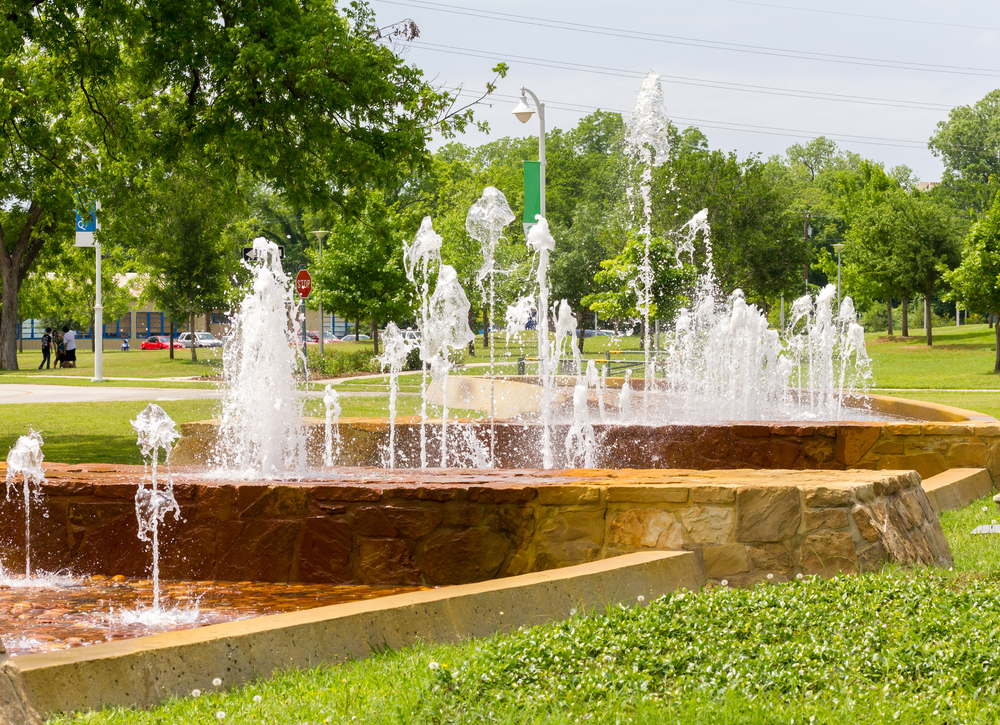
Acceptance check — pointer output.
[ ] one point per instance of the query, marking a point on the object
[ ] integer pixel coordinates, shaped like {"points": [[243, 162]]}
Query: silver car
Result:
{"points": [[202, 339]]}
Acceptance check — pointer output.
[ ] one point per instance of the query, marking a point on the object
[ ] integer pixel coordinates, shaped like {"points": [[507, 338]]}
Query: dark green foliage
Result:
{"points": [[336, 363]]}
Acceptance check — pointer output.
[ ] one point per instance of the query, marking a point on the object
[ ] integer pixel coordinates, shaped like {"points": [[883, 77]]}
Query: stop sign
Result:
{"points": [[303, 283]]}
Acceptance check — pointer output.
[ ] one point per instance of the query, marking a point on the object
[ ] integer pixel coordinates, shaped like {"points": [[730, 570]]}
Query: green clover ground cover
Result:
{"points": [[902, 646]]}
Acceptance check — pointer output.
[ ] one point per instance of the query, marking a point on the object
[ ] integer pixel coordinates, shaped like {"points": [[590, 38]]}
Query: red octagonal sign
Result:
{"points": [[303, 283]]}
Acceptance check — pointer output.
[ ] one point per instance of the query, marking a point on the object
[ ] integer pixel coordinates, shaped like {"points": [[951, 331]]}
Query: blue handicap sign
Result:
{"points": [[86, 222]]}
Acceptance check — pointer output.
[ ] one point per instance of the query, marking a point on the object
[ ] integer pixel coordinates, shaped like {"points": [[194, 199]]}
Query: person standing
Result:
{"points": [[69, 339], [46, 350], [60, 350]]}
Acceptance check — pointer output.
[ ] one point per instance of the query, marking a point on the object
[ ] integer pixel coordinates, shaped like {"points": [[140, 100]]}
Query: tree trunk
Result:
{"points": [[996, 333], [194, 350], [888, 304], [927, 319], [486, 329], [906, 315], [357, 329], [14, 265], [375, 333], [173, 332]]}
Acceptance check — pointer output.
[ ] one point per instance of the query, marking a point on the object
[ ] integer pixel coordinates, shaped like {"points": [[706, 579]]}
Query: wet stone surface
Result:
{"points": [[98, 608]]}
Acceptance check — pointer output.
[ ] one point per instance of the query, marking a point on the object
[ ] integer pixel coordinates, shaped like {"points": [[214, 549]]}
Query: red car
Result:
{"points": [[160, 342]]}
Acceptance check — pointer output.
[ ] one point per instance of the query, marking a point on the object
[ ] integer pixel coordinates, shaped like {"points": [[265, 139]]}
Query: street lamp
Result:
{"points": [[838, 247], [98, 306], [320, 234], [524, 113]]}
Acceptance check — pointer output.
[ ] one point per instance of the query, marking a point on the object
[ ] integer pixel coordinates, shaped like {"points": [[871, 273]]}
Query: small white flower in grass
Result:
{"points": [[217, 681], [434, 665], [195, 693], [799, 575], [641, 598], [258, 699], [770, 576], [221, 715], [572, 612], [984, 509], [725, 582]]}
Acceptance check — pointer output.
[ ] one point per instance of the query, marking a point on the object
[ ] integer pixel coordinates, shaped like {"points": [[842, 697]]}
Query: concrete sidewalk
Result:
{"points": [[15, 393]]}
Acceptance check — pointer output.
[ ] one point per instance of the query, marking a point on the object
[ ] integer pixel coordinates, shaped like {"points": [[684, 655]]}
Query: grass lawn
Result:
{"points": [[902, 646], [961, 357], [133, 364]]}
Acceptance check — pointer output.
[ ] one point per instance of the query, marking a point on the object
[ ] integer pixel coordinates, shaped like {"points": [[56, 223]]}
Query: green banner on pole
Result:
{"points": [[532, 191]]}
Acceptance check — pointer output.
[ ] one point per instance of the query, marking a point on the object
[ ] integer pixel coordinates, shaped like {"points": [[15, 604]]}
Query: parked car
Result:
{"points": [[355, 338], [599, 333], [159, 342], [312, 338], [202, 339]]}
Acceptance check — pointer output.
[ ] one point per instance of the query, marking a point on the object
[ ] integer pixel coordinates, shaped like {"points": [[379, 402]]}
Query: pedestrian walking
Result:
{"points": [[46, 350], [69, 337]]}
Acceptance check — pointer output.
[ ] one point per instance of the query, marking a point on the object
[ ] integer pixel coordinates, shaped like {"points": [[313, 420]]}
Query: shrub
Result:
{"points": [[334, 363]]}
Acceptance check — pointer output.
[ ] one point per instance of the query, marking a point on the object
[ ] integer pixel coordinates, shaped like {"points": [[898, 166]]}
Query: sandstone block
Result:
{"points": [[902, 429], [387, 561], [709, 525], [948, 429], [372, 521], [854, 441], [894, 447], [414, 521], [766, 513], [968, 455], [828, 552], [725, 560], [262, 550], [648, 494], [649, 528], [325, 551], [759, 430], [568, 495], [459, 556], [770, 558], [573, 526], [824, 519], [713, 494], [462, 514], [554, 555], [278, 501], [829, 496], [818, 449], [865, 520], [873, 558], [15, 704], [926, 463]]}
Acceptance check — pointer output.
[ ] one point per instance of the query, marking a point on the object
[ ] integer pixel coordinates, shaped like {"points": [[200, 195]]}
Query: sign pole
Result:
{"points": [[303, 285], [98, 324]]}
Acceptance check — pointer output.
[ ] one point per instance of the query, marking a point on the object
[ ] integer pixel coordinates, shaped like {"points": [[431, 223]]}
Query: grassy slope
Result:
{"points": [[898, 646]]}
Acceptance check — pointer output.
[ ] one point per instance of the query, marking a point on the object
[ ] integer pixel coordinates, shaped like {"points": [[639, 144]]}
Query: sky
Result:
{"points": [[755, 77]]}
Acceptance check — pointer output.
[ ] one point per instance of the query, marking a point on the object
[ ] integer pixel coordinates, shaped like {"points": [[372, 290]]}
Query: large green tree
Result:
{"points": [[292, 93], [969, 145], [976, 281]]}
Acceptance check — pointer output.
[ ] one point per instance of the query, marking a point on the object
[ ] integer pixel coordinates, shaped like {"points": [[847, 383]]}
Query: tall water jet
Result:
{"points": [[648, 144], [394, 351], [447, 330], [419, 257], [260, 430], [541, 241], [581, 444], [25, 460], [331, 402], [625, 399], [485, 223], [156, 431]]}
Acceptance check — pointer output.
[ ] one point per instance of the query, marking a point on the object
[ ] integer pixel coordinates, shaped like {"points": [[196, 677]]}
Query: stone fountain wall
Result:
{"points": [[378, 527]]}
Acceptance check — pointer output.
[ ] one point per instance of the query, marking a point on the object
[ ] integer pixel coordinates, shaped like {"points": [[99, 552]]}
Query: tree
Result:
{"points": [[184, 223], [976, 281], [291, 93], [969, 145]]}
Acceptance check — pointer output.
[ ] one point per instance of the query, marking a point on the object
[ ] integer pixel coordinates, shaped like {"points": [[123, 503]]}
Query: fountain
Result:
{"points": [[25, 459], [485, 223], [394, 351], [331, 439]]}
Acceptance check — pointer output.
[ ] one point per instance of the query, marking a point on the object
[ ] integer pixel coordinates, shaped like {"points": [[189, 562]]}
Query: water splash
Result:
{"points": [[541, 241], [485, 223], [447, 330], [156, 431], [625, 399], [581, 444], [25, 460], [419, 258], [393, 358], [331, 438], [518, 315], [648, 144], [260, 432]]}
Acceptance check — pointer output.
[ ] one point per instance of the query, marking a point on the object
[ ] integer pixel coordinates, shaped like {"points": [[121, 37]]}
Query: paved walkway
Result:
{"points": [[15, 393]]}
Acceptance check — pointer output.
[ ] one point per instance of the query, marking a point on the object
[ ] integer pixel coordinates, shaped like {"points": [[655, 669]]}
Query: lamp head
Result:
{"points": [[523, 110]]}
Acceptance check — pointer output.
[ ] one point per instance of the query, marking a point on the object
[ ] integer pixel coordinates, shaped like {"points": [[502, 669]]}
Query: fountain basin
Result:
{"points": [[371, 526]]}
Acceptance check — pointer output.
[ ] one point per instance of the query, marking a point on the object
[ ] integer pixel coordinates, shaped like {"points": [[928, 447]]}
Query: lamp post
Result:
{"points": [[523, 112], [98, 306], [838, 247], [320, 235]]}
